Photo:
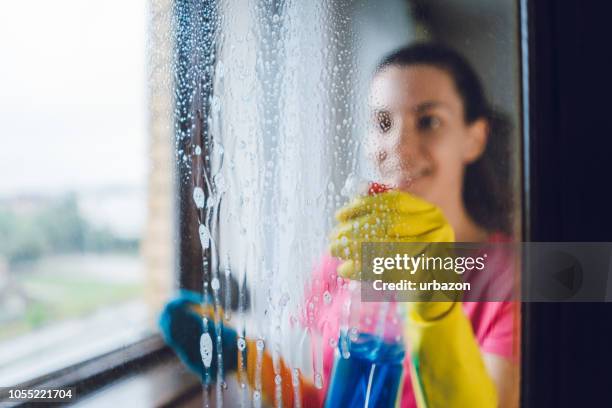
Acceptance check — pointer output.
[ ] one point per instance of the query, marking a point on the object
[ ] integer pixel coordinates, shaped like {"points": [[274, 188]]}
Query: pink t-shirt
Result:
{"points": [[327, 305]]}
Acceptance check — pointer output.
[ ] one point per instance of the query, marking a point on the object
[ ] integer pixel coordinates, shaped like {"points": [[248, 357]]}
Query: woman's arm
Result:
{"points": [[505, 375], [182, 326], [448, 368]]}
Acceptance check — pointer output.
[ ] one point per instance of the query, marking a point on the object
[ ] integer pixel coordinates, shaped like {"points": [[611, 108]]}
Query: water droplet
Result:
{"points": [[198, 197], [327, 297], [260, 344], [220, 69], [353, 334], [215, 284], [198, 150], [216, 104], [353, 186], [256, 395], [318, 381], [333, 342], [295, 377], [204, 236], [220, 184], [278, 379], [241, 344], [275, 18], [206, 349]]}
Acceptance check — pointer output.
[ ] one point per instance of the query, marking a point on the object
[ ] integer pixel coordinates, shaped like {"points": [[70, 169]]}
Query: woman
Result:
{"points": [[435, 140]]}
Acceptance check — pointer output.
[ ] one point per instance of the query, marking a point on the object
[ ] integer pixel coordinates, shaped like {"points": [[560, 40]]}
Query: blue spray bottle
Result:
{"points": [[371, 377]]}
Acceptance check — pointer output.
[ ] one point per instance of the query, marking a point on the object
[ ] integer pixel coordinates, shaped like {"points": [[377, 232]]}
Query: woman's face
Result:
{"points": [[418, 138]]}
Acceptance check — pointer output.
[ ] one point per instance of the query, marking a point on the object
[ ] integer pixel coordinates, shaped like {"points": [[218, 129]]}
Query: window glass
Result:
{"points": [[85, 196], [291, 110]]}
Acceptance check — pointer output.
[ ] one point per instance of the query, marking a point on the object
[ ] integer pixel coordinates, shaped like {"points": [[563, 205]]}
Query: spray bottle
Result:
{"points": [[372, 375]]}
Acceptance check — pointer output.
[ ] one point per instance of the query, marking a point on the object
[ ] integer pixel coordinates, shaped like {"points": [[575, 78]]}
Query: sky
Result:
{"points": [[72, 95]]}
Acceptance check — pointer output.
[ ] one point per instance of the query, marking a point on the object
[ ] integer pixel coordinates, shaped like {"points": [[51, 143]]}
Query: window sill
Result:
{"points": [[45, 352], [164, 384], [117, 367]]}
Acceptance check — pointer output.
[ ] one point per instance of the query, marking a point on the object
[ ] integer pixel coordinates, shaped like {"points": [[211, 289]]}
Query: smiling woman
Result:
{"points": [[433, 136], [438, 138]]}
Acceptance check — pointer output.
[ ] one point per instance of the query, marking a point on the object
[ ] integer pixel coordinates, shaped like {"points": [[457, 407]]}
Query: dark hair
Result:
{"points": [[487, 185]]}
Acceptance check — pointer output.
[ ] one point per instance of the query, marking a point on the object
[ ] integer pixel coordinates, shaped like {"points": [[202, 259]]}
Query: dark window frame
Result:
{"points": [[566, 354], [92, 374]]}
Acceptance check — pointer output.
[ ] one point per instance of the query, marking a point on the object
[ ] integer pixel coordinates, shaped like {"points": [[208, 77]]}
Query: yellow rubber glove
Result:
{"points": [[392, 216], [447, 368]]}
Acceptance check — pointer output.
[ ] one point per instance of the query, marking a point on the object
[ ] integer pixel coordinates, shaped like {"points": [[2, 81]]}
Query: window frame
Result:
{"points": [[565, 356], [92, 374]]}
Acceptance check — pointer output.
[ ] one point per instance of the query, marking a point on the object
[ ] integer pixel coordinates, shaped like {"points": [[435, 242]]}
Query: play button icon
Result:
{"points": [[559, 274], [567, 277]]}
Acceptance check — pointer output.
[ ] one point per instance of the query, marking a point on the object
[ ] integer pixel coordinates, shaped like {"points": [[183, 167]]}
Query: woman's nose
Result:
{"points": [[408, 142]]}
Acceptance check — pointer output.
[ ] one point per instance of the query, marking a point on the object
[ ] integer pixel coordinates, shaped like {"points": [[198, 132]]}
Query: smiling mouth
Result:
{"points": [[417, 175], [403, 176]]}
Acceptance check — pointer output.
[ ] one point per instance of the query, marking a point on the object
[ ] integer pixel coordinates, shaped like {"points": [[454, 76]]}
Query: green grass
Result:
{"points": [[60, 298]]}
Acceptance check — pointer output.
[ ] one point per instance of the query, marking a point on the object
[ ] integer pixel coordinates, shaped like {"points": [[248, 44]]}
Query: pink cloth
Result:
{"points": [[326, 311]]}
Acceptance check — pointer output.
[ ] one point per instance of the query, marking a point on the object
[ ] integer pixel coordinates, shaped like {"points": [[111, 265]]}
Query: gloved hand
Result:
{"points": [[182, 326], [447, 369], [394, 217]]}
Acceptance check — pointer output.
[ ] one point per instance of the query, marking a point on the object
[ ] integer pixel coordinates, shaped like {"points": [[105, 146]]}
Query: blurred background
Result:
{"points": [[86, 199]]}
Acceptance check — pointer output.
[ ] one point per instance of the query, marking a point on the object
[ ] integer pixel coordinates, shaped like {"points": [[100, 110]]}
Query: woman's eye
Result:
{"points": [[383, 119], [428, 122]]}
